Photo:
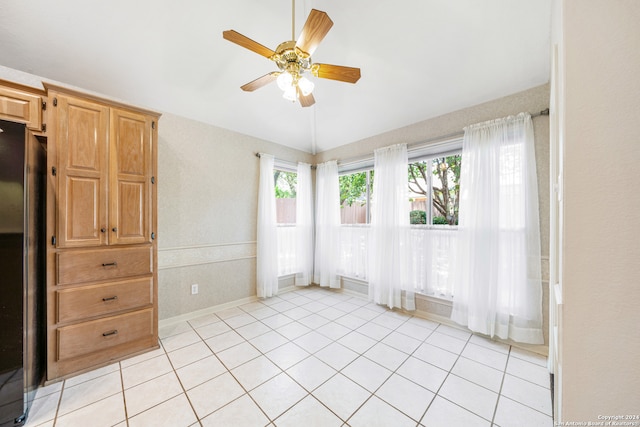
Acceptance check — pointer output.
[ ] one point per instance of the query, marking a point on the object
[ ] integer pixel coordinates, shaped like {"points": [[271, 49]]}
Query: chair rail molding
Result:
{"points": [[192, 255]]}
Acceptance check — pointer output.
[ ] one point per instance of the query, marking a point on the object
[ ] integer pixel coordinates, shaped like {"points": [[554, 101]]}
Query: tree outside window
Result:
{"points": [[285, 187], [434, 191], [434, 188], [356, 190]]}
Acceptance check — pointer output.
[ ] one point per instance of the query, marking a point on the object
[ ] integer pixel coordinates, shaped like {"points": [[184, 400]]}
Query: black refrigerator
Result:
{"points": [[22, 270]]}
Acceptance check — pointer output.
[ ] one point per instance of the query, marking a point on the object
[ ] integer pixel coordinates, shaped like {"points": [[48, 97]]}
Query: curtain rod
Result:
{"points": [[544, 112], [443, 138], [258, 155]]}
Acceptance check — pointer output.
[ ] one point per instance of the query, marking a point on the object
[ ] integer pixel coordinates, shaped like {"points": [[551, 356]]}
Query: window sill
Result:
{"points": [[433, 298], [439, 227]]}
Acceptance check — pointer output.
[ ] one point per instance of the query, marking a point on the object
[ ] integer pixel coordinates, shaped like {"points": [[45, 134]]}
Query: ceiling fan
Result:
{"points": [[293, 59]]}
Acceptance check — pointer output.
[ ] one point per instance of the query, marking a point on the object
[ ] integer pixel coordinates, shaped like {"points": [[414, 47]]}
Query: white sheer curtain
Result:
{"points": [[327, 225], [354, 251], [287, 242], [304, 226], [390, 255], [432, 248], [267, 240], [497, 283]]}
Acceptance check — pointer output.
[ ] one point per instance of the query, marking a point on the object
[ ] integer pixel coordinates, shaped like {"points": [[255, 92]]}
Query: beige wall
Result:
{"points": [[600, 344], [207, 205], [533, 100]]}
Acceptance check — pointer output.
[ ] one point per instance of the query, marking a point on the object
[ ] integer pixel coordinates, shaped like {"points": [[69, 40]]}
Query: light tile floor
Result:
{"points": [[310, 357]]}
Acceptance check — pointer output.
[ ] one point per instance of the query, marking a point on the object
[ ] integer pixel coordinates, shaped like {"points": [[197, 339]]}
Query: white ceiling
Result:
{"points": [[419, 58]]}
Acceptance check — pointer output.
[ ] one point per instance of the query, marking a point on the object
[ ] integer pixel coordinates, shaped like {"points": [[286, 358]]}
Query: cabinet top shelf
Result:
{"points": [[21, 87], [98, 98]]}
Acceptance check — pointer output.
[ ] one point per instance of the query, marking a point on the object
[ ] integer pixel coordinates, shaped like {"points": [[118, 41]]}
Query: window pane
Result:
{"points": [[285, 186], [434, 189], [353, 198], [446, 189], [419, 183]]}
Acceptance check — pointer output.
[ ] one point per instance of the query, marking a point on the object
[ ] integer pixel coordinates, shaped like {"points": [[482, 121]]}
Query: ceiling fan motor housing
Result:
{"points": [[291, 59]]}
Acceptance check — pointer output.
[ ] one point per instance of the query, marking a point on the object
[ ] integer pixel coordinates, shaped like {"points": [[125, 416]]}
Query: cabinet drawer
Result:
{"points": [[97, 300], [97, 335], [21, 107], [103, 264]]}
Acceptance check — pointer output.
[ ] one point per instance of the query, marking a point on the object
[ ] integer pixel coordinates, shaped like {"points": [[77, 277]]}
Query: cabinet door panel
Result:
{"points": [[131, 210], [82, 136], [130, 168], [82, 211], [21, 107], [85, 145]]}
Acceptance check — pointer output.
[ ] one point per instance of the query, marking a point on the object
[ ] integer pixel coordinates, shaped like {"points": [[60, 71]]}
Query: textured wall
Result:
{"points": [[207, 205], [600, 344]]}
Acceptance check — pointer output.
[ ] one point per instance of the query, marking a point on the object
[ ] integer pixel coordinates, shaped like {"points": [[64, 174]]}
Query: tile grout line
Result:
{"points": [[522, 379], [380, 341], [228, 371], [175, 372], [55, 417], [247, 392], [308, 393], [504, 374], [437, 393], [124, 396], [338, 371]]}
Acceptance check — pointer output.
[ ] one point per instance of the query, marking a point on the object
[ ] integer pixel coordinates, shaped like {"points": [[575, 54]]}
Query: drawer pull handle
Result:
{"points": [[113, 298], [109, 333], [109, 264]]}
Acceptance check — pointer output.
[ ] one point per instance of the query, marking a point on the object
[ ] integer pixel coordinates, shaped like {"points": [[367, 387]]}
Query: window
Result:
{"points": [[356, 190], [433, 183], [434, 189], [285, 187]]}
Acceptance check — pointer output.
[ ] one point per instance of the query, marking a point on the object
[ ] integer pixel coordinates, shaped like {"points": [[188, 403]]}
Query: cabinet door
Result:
{"points": [[22, 107], [82, 144], [130, 179]]}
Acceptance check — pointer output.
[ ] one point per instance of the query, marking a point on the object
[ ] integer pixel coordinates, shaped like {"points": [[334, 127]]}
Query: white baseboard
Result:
{"points": [[203, 312]]}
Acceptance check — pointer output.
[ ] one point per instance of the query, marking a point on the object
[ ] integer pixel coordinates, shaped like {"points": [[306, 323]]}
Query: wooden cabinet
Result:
{"points": [[102, 262], [21, 104], [105, 173]]}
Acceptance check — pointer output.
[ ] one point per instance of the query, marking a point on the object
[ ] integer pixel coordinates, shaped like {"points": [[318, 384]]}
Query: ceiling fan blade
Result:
{"points": [[338, 72], [317, 26], [244, 41], [260, 81], [306, 101]]}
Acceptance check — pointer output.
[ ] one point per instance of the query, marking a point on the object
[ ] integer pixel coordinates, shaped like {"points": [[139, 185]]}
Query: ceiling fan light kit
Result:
{"points": [[293, 59]]}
